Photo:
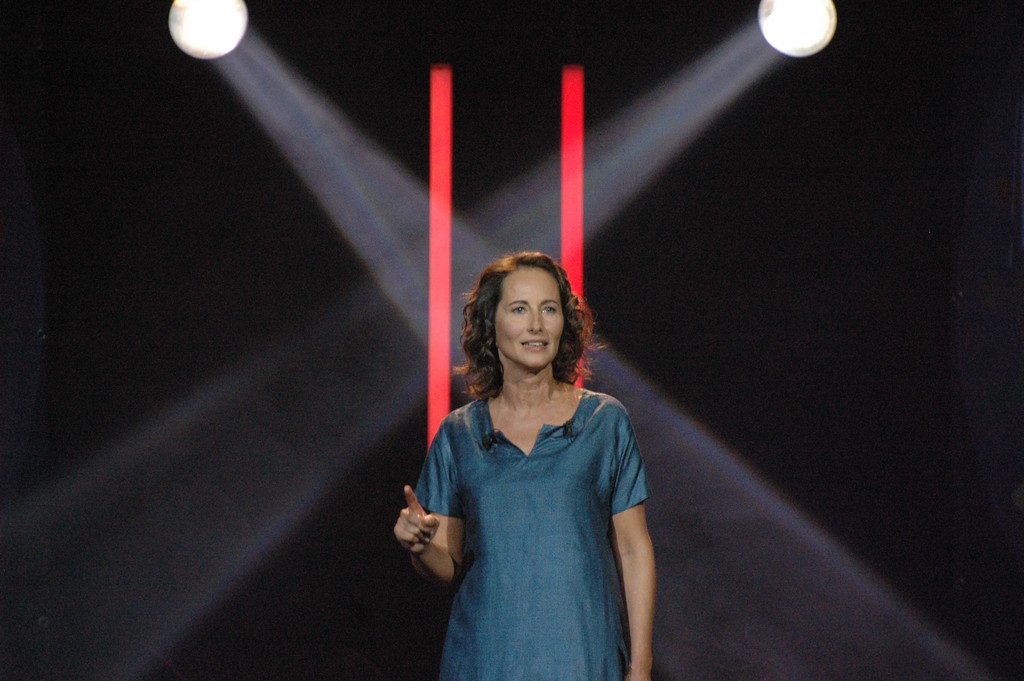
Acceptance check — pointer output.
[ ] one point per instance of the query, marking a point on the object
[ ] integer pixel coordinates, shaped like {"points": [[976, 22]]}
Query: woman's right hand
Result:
{"points": [[415, 528]]}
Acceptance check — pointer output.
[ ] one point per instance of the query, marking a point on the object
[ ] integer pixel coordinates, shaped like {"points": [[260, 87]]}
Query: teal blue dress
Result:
{"points": [[539, 596]]}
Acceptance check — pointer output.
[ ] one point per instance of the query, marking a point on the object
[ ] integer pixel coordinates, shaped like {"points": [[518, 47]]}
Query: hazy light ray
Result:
{"points": [[715, 521], [627, 152], [378, 206], [170, 517]]}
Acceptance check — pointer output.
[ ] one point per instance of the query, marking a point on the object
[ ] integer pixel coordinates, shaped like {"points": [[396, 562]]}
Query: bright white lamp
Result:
{"points": [[798, 28], [207, 29]]}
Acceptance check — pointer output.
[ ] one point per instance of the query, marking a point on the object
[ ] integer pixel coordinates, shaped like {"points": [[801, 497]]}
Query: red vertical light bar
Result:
{"points": [[440, 295], [572, 176]]}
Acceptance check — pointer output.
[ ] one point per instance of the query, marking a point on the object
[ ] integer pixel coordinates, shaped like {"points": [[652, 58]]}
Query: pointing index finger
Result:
{"points": [[413, 503]]}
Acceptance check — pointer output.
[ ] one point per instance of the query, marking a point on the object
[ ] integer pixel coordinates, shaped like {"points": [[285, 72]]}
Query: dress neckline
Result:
{"points": [[571, 428]]}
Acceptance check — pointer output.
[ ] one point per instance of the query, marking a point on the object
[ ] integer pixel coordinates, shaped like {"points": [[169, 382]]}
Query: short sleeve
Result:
{"points": [[631, 486], [437, 489]]}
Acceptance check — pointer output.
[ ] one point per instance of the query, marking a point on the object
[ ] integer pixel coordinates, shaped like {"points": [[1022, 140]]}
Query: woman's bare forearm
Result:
{"points": [[434, 564], [638, 582]]}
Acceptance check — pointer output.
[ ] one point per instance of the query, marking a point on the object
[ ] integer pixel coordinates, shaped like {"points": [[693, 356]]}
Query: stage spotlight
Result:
{"points": [[207, 29], [797, 28]]}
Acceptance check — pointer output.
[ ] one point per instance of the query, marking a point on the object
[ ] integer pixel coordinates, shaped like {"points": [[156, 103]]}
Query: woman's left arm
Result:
{"points": [[634, 554]]}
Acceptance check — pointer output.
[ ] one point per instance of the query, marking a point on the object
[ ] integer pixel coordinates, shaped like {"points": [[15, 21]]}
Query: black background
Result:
{"points": [[789, 279]]}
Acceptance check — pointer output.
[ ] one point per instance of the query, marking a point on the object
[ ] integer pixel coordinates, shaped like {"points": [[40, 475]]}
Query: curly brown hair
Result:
{"points": [[483, 369]]}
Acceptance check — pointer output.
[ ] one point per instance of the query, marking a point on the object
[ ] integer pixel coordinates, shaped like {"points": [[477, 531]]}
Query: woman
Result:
{"points": [[530, 502]]}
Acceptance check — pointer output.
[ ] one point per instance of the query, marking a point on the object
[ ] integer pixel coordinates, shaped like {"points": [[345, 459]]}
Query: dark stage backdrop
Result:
{"points": [[815, 281]]}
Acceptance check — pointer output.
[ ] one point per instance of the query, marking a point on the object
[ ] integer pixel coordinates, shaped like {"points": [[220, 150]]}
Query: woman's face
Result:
{"points": [[528, 322]]}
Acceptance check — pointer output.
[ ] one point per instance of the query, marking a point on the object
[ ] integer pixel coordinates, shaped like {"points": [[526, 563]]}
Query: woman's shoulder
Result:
{"points": [[603, 407], [464, 418], [602, 401]]}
